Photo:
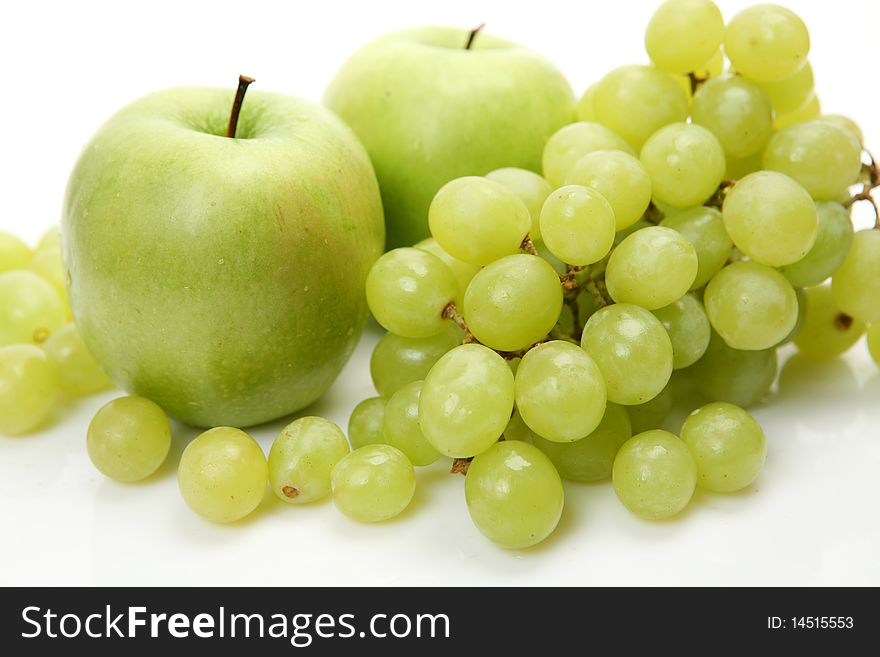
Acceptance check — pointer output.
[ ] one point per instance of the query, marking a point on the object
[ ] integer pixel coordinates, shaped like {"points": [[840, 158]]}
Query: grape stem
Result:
{"points": [[653, 214], [460, 466], [696, 81], [528, 246], [717, 199], [451, 313], [473, 35], [871, 170], [243, 83], [569, 280]]}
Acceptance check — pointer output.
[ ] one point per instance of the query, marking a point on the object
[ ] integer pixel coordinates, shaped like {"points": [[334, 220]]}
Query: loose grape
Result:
{"points": [[14, 254], [767, 43], [531, 188], [654, 474], [845, 123], [373, 483], [727, 445], [771, 218], [462, 271], [28, 388], [856, 284], [560, 393], [30, 309], [750, 305], [578, 224], [733, 375], [407, 291], [466, 401], [366, 422], [51, 239], [513, 302], [826, 332], [591, 457], [685, 163], [653, 413], [79, 373], [824, 158], [809, 110], [651, 268], [620, 178], [514, 494], [833, 241], [570, 143], [789, 94], [47, 264], [223, 474], [802, 313], [129, 438], [302, 457], [688, 327], [478, 220], [632, 350], [684, 34], [585, 110], [704, 229], [874, 342], [636, 101], [401, 426], [737, 112], [397, 361]]}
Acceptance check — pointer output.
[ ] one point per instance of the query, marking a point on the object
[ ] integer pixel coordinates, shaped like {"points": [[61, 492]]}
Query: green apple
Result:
{"points": [[429, 110], [221, 277]]}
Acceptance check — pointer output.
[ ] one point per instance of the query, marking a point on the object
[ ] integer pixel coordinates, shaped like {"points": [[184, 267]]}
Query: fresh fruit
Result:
{"points": [[30, 309], [373, 483], [827, 332], [79, 373], [401, 426], [366, 422], [397, 361], [28, 388], [302, 458]]}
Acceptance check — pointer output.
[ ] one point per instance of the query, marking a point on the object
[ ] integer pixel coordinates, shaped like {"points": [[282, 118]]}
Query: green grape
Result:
{"points": [[365, 426], [302, 458], [654, 474], [373, 483], [767, 43], [685, 162], [478, 220], [626, 232], [636, 101], [771, 218], [531, 188], [223, 474], [653, 413], [732, 375], [578, 224], [28, 388], [397, 361], [845, 123], [727, 445], [462, 271], [826, 332], [750, 305], [30, 309], [401, 426], [801, 315], [632, 350], [833, 241], [874, 342], [466, 401], [737, 168], [585, 110], [14, 254], [620, 178], [682, 35], [591, 457], [513, 302], [79, 372], [688, 327], [560, 393], [129, 438], [516, 429], [651, 268], [51, 239], [811, 109], [789, 94], [570, 143], [856, 284], [514, 494], [704, 228], [47, 264], [407, 291], [737, 112], [824, 158]]}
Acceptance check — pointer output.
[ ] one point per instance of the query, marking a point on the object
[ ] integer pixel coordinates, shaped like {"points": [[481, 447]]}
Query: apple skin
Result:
{"points": [[222, 278], [428, 111]]}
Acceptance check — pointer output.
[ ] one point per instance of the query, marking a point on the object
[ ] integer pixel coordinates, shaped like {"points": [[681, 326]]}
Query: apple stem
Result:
{"points": [[243, 82], [473, 35]]}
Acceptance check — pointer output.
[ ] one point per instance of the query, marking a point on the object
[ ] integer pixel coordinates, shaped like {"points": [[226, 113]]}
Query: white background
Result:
{"points": [[811, 518]]}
